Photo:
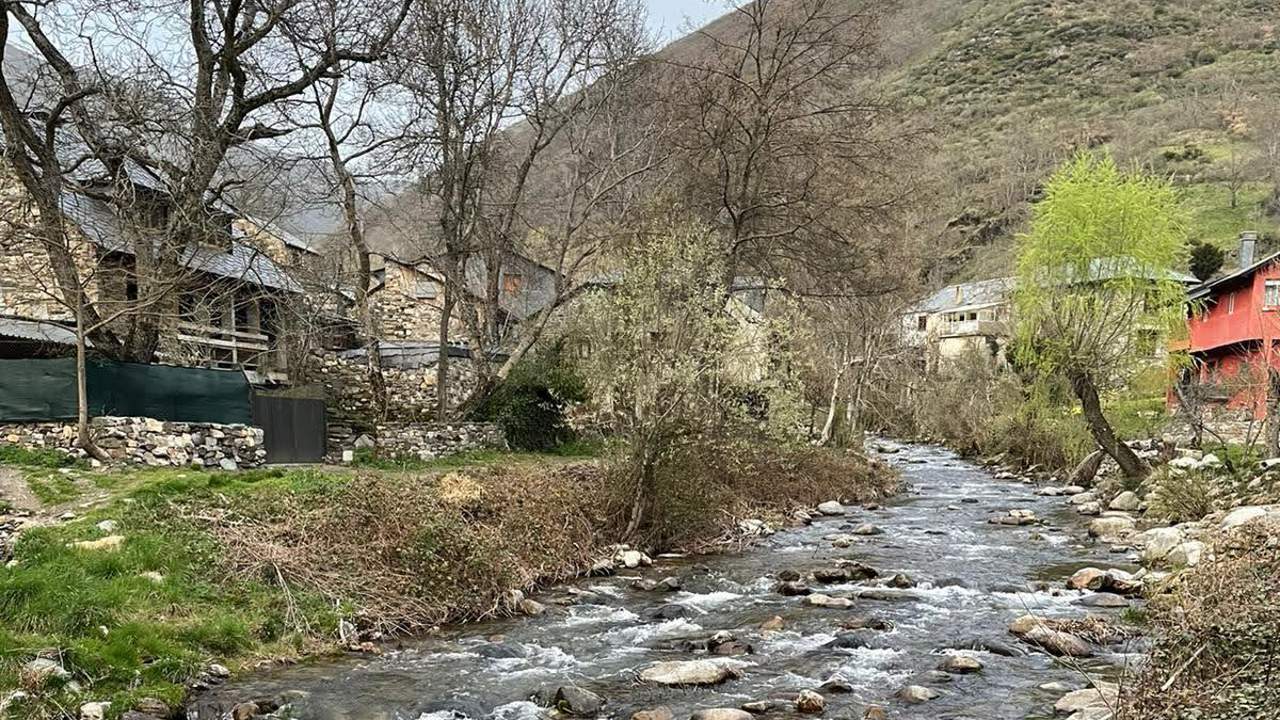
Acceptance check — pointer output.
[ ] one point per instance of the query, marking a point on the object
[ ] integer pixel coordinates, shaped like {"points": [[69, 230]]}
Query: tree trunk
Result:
{"points": [[442, 363], [1273, 412], [1087, 392], [828, 427], [83, 435]]}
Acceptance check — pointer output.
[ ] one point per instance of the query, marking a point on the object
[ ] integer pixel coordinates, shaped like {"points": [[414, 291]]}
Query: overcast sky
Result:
{"points": [[672, 18]]}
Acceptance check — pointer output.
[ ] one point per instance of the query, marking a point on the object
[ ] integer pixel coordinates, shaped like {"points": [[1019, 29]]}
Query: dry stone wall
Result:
{"points": [[144, 441], [433, 440]]}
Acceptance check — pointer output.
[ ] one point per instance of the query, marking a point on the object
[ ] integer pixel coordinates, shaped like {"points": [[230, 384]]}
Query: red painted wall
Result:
{"points": [[1218, 324]]}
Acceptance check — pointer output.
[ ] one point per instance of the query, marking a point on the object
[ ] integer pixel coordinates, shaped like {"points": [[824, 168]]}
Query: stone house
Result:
{"points": [[960, 319], [229, 306]]}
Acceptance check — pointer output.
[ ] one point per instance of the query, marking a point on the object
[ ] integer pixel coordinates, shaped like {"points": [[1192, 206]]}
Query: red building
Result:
{"points": [[1234, 328]]}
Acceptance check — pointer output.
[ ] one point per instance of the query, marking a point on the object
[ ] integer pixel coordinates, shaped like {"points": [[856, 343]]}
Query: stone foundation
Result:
{"points": [[434, 440], [155, 443]]}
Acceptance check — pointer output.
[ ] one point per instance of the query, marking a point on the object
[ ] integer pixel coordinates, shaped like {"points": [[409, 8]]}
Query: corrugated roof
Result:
{"points": [[241, 262], [39, 330]]}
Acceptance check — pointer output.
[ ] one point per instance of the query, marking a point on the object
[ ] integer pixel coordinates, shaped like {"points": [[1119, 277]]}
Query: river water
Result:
{"points": [[972, 579]]}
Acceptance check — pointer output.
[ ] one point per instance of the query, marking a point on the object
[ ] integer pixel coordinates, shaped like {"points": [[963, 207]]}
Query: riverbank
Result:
{"points": [[901, 609], [171, 580]]}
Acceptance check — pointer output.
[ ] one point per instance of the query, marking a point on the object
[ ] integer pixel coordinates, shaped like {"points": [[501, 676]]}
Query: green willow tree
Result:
{"points": [[1096, 292]]}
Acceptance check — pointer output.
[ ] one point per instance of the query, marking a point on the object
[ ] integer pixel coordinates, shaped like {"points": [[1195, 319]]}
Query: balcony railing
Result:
{"points": [[959, 328], [227, 349]]}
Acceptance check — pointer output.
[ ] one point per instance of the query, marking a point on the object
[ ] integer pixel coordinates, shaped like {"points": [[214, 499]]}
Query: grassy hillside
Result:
{"points": [[1185, 88]]}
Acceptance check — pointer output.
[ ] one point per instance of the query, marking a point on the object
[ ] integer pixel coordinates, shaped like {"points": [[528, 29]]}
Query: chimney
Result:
{"points": [[1248, 243]]}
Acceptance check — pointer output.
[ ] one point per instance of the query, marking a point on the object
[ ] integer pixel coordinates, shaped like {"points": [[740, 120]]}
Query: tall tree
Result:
{"points": [[150, 104], [1094, 277]]}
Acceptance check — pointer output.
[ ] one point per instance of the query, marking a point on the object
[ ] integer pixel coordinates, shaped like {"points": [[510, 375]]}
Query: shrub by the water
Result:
{"points": [[530, 406]]}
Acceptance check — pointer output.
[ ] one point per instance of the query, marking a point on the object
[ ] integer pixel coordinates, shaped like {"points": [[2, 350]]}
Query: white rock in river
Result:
{"points": [[831, 508], [1127, 500], [1112, 526], [916, 694], [721, 714], [826, 601], [691, 672], [1104, 695], [94, 710]]}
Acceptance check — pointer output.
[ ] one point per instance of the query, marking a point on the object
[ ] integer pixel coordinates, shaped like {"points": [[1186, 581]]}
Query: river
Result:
{"points": [[972, 579]]}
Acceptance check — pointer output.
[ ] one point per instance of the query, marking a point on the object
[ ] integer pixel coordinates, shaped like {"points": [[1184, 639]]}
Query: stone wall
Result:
{"points": [[410, 395], [143, 441], [433, 440]]}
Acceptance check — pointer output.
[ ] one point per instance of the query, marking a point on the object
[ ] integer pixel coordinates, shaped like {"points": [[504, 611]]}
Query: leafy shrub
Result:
{"points": [[530, 406], [1180, 496]]}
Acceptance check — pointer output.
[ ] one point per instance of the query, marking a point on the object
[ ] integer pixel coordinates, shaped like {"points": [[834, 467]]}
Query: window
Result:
{"points": [[1271, 294], [922, 322], [511, 283], [1231, 303]]}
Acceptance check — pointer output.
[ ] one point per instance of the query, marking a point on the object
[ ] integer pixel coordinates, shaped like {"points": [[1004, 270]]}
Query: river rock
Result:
{"points": [[1092, 508], [901, 581], [1112, 526], [1111, 581], [810, 703], [841, 540], [789, 575], [672, 611], [1157, 542], [721, 714], [831, 508], [858, 571], [1127, 500], [1059, 643], [867, 529], [960, 665], [532, 608], [916, 694], [1104, 695], [875, 712], [662, 712], [773, 624], [1089, 578], [574, 700], [1188, 554], [826, 601], [836, 686], [792, 588], [1103, 600], [1082, 498], [245, 711], [691, 672], [632, 559], [866, 623], [848, 641], [832, 575], [771, 705]]}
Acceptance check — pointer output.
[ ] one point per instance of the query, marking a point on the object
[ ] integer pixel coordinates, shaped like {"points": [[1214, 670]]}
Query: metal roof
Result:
{"points": [[982, 292], [239, 262], [39, 330]]}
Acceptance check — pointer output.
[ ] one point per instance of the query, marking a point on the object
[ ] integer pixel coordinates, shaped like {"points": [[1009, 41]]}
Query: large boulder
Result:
{"points": [[691, 672], [831, 508], [827, 601], [1112, 526], [1188, 554], [1247, 514], [1102, 696], [810, 702], [960, 665], [1057, 642], [1157, 542], [1126, 501], [574, 700]]}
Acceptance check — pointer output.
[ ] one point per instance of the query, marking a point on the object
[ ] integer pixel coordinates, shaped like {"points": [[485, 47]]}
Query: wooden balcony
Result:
{"points": [[965, 328], [229, 349]]}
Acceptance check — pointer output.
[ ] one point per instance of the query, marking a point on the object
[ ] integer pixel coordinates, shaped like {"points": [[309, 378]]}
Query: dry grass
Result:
{"points": [[1217, 655]]}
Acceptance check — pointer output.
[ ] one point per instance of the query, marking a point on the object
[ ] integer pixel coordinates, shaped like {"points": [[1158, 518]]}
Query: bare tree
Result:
{"points": [[786, 145], [158, 132], [499, 82]]}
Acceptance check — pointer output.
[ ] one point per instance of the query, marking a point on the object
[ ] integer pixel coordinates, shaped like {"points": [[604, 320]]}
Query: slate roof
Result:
{"points": [[981, 292], [241, 262]]}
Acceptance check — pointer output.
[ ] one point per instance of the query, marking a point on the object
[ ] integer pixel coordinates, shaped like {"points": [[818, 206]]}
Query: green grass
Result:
{"points": [[122, 635], [53, 488], [43, 458], [1215, 221]]}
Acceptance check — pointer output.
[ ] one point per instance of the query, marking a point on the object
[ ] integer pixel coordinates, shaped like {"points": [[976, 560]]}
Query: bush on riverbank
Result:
{"points": [[1217, 653], [197, 567]]}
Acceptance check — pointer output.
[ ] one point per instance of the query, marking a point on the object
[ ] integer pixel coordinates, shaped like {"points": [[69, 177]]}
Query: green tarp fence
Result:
{"points": [[32, 390]]}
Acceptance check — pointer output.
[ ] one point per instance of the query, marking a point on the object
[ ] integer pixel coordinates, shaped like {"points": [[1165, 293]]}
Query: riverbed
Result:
{"points": [[971, 579]]}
